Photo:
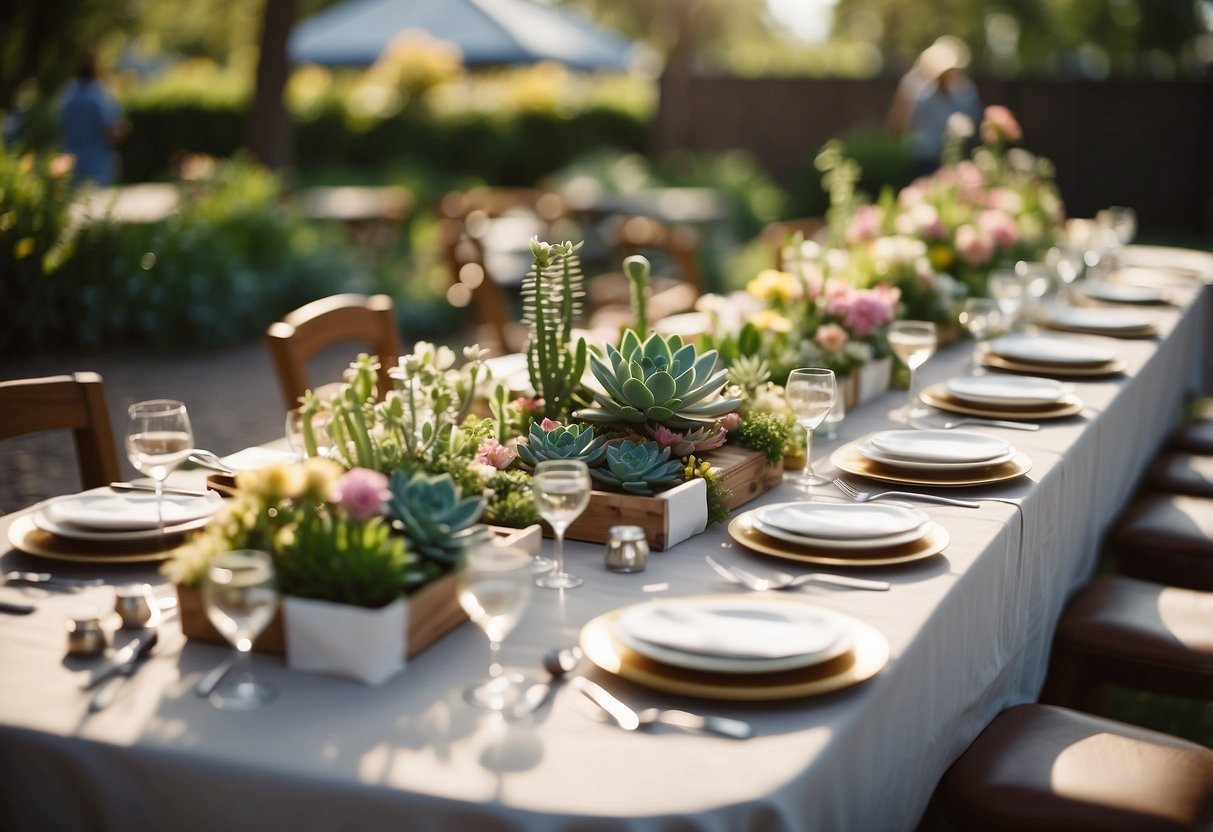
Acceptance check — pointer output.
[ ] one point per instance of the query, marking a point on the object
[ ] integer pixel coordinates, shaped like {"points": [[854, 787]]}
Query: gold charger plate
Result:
{"points": [[937, 395], [23, 534], [868, 655], [989, 359], [932, 543], [849, 459]]}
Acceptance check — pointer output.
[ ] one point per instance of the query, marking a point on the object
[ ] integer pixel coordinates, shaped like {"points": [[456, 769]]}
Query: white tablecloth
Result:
{"points": [[969, 633]]}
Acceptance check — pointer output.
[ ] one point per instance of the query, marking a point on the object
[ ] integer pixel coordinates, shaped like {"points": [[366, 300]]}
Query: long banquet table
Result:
{"points": [[968, 631]]}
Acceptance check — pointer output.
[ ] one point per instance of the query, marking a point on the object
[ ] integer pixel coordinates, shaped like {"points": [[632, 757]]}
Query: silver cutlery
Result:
{"points": [[857, 496], [140, 643], [13, 608], [206, 459], [558, 663], [992, 423], [48, 578], [632, 720], [213, 677], [138, 486], [782, 580]]}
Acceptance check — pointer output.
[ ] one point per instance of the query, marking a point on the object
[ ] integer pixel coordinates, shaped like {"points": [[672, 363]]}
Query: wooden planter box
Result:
{"points": [[433, 610], [675, 515]]}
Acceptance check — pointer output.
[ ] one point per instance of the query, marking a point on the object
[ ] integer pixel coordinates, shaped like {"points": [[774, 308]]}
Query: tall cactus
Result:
{"points": [[637, 269], [552, 292]]}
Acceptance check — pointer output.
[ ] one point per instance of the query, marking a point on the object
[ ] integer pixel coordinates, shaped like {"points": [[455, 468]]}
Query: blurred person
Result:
{"points": [[912, 84], [90, 122], [944, 90]]}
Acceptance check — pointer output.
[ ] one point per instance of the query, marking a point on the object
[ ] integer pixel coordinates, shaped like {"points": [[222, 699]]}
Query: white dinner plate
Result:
{"points": [[875, 455], [728, 664], [938, 446], [47, 524], [1014, 391], [1100, 318], [1121, 292], [833, 544], [756, 628], [250, 459], [1044, 349], [841, 521], [102, 508]]}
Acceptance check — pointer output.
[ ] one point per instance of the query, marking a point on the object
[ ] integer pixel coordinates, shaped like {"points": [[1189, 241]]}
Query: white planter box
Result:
{"points": [[366, 645]]}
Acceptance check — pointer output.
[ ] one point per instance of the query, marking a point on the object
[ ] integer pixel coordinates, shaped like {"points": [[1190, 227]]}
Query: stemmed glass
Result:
{"points": [[1009, 291], [1036, 281], [913, 342], [241, 595], [494, 587], [158, 439], [320, 434], [562, 491], [979, 316], [810, 393]]}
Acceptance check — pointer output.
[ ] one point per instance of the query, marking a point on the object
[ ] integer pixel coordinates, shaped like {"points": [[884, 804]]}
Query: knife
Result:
{"points": [[48, 578], [625, 717], [16, 609], [213, 677], [138, 486], [127, 654], [630, 720]]}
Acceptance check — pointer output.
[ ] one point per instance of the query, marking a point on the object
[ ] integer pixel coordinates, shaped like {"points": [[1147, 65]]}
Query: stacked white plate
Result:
{"points": [[1100, 319], [1008, 391], [936, 450], [102, 515], [1118, 292], [841, 526], [250, 459], [1041, 349], [734, 635]]}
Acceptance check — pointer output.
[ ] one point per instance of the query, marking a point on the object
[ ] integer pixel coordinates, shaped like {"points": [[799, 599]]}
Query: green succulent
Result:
{"points": [[637, 468], [658, 380], [562, 442], [434, 514]]}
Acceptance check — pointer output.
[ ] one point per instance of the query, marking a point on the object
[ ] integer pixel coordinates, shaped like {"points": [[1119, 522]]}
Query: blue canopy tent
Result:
{"points": [[487, 32]]}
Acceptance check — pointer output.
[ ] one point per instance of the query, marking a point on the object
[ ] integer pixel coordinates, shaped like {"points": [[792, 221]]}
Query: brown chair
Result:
{"points": [[474, 285], [1135, 634], [75, 403], [1051, 769], [1194, 436], [676, 281], [1167, 538], [311, 328], [1176, 472]]}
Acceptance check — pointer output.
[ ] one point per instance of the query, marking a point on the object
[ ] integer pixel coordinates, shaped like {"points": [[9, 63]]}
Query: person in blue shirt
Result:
{"points": [[946, 91], [91, 124]]}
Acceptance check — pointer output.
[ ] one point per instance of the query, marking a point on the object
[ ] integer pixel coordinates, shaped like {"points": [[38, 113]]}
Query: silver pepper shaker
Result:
{"points": [[627, 549], [133, 603], [85, 637]]}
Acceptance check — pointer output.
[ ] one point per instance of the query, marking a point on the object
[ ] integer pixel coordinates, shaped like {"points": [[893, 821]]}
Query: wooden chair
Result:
{"points": [[303, 333], [70, 402], [676, 282]]}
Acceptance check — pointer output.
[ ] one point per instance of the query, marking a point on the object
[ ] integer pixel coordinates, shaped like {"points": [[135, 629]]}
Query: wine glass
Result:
{"points": [[562, 491], [158, 439], [1007, 289], [494, 586], [1036, 281], [1065, 261], [1122, 220], [979, 316], [240, 591], [810, 393], [913, 342], [320, 434]]}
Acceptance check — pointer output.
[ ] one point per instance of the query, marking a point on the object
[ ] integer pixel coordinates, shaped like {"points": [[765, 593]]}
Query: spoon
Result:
{"points": [[558, 662]]}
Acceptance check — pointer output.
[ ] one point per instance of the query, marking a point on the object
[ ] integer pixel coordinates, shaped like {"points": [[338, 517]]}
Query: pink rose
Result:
{"points": [[360, 493], [1000, 125], [970, 182], [491, 452], [974, 247], [831, 337], [865, 225], [1000, 227], [548, 424], [868, 313], [529, 404], [839, 297]]}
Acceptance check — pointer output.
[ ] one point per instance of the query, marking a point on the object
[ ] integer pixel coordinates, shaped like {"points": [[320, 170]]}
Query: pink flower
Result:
{"points": [[974, 247], [548, 424], [999, 125], [831, 337], [528, 404], [865, 225], [491, 452], [731, 421], [921, 220], [839, 297], [664, 437], [868, 313], [1000, 227], [1004, 199], [360, 493], [970, 182]]}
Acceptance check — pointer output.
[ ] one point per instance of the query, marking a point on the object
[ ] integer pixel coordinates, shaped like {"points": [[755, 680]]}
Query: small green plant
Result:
{"points": [[767, 432], [552, 292], [718, 494], [434, 515], [561, 442], [637, 269], [637, 468]]}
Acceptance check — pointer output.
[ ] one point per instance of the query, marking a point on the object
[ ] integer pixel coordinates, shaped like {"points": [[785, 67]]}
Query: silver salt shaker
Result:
{"points": [[133, 603], [85, 637], [627, 549]]}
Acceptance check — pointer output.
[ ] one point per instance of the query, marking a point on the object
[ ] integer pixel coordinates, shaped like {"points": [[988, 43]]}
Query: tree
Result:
{"points": [[269, 125]]}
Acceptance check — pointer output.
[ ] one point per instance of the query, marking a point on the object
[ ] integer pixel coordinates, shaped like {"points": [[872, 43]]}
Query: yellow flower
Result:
{"points": [[771, 320], [273, 483], [24, 247], [770, 284], [941, 257]]}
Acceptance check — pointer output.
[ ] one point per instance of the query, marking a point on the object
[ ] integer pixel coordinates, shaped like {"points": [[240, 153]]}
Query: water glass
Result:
{"points": [[914, 342], [1009, 291], [158, 439], [296, 435], [562, 492], [494, 584], [811, 393], [979, 317], [240, 592]]}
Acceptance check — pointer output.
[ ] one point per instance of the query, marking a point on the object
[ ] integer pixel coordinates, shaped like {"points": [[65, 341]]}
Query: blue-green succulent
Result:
{"points": [[637, 468], [660, 381], [561, 442], [435, 516]]}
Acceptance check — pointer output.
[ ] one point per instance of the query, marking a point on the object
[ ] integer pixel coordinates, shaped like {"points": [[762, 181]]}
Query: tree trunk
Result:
{"points": [[269, 126]]}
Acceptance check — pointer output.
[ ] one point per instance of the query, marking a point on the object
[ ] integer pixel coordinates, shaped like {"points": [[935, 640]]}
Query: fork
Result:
{"points": [[992, 423], [855, 495], [783, 580], [48, 578]]}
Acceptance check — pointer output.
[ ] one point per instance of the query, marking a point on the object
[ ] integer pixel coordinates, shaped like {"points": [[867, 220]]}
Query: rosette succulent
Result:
{"points": [[637, 468], [561, 442], [660, 381], [433, 513]]}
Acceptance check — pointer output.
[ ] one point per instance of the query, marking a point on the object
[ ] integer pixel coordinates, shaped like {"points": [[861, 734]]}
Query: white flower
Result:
{"points": [[960, 126]]}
